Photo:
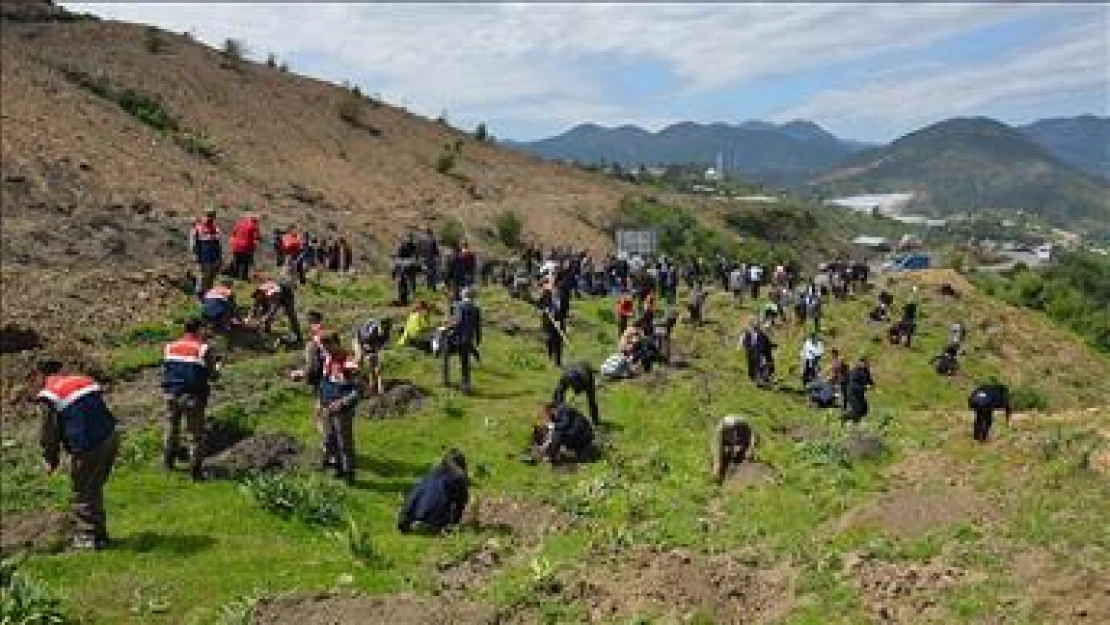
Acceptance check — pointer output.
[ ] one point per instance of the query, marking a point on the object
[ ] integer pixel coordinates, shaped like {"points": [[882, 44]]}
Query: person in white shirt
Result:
{"points": [[812, 351]]}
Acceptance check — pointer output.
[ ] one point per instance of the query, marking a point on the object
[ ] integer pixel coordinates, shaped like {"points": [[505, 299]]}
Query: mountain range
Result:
{"points": [[1057, 168]]}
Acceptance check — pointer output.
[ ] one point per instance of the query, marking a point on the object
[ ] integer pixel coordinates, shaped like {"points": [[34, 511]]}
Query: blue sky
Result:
{"points": [[869, 72]]}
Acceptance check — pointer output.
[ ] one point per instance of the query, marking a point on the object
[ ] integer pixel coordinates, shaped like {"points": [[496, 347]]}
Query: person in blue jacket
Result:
{"points": [[437, 502]]}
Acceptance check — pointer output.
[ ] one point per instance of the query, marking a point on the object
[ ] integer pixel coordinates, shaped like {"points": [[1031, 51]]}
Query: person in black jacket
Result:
{"points": [[568, 431], [549, 315], [983, 401], [859, 380], [463, 335], [579, 378], [438, 501]]}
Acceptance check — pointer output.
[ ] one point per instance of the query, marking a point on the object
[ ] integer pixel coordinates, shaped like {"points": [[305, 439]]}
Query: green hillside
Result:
{"points": [[822, 529]]}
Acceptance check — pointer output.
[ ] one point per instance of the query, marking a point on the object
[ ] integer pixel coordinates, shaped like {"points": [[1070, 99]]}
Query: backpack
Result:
{"points": [[822, 394]]}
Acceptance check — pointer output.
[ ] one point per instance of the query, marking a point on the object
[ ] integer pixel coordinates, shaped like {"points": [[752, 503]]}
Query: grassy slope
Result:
{"points": [[186, 551]]}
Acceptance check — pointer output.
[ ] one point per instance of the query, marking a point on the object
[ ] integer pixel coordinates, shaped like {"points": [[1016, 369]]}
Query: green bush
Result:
{"points": [[361, 545], [234, 51], [198, 145], [509, 228], [1026, 398], [147, 109], [825, 452], [25, 601], [447, 160], [152, 40], [451, 232], [309, 499]]}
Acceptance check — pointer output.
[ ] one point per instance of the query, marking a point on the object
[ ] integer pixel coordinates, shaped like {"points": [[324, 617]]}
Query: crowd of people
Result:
{"points": [[341, 373]]}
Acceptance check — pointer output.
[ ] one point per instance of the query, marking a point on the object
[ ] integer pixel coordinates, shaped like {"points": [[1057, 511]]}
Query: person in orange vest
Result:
{"points": [[269, 297], [624, 310], [204, 241], [76, 418], [188, 367], [292, 249], [218, 306], [244, 236]]}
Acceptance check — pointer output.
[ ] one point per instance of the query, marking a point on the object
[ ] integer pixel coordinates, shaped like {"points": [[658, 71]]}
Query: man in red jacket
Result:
{"points": [[243, 239]]}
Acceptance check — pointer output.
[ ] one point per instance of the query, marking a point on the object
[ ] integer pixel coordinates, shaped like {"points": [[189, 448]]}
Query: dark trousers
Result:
{"points": [[982, 426], [339, 440], [464, 351], [431, 274], [188, 408], [753, 364], [554, 346], [89, 471], [288, 306], [622, 325], [403, 290], [809, 371], [241, 263], [857, 403]]}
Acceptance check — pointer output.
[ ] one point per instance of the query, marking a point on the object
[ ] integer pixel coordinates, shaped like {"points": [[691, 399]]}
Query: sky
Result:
{"points": [[870, 72]]}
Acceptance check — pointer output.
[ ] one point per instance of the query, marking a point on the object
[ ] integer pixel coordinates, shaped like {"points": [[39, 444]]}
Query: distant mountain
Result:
{"points": [[756, 149], [967, 165], [1082, 142]]}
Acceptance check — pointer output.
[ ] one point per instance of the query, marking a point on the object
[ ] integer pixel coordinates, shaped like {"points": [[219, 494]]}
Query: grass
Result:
{"points": [[206, 553]]}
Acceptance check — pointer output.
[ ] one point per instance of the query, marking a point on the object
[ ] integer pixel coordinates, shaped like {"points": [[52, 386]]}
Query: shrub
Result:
{"points": [[350, 108], [1026, 398], [451, 232], [234, 51], [361, 545], [481, 133], [309, 499], [509, 228], [147, 109], [825, 452], [152, 40], [24, 600], [447, 160], [198, 145]]}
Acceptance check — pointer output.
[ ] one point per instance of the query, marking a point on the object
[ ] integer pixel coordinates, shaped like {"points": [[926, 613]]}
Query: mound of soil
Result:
{"points": [[904, 592], [749, 474], [914, 511], [39, 531], [15, 338], [256, 454], [679, 584], [405, 609], [864, 446], [398, 401], [527, 521], [1060, 594], [474, 570]]}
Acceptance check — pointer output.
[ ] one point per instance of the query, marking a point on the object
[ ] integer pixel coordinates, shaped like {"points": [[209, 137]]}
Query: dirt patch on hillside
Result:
{"points": [[527, 521], [914, 511], [400, 399], [39, 531], [1063, 596], [905, 592], [325, 609], [257, 454], [475, 569], [748, 474], [680, 584]]}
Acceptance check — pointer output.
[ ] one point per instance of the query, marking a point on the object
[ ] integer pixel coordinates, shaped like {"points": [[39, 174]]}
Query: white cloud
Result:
{"points": [[539, 61], [1071, 63]]}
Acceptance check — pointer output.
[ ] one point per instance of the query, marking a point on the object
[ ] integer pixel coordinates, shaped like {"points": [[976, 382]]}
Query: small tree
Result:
{"points": [[509, 228], [451, 232], [234, 51], [350, 109], [152, 40], [481, 133], [271, 61], [446, 162]]}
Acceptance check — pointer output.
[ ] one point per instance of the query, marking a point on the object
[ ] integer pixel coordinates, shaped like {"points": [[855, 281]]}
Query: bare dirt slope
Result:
{"points": [[87, 188]]}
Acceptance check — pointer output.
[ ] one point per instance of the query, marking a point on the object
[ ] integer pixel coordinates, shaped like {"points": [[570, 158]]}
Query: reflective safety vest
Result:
{"points": [[291, 243], [85, 419], [184, 367], [206, 237]]}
